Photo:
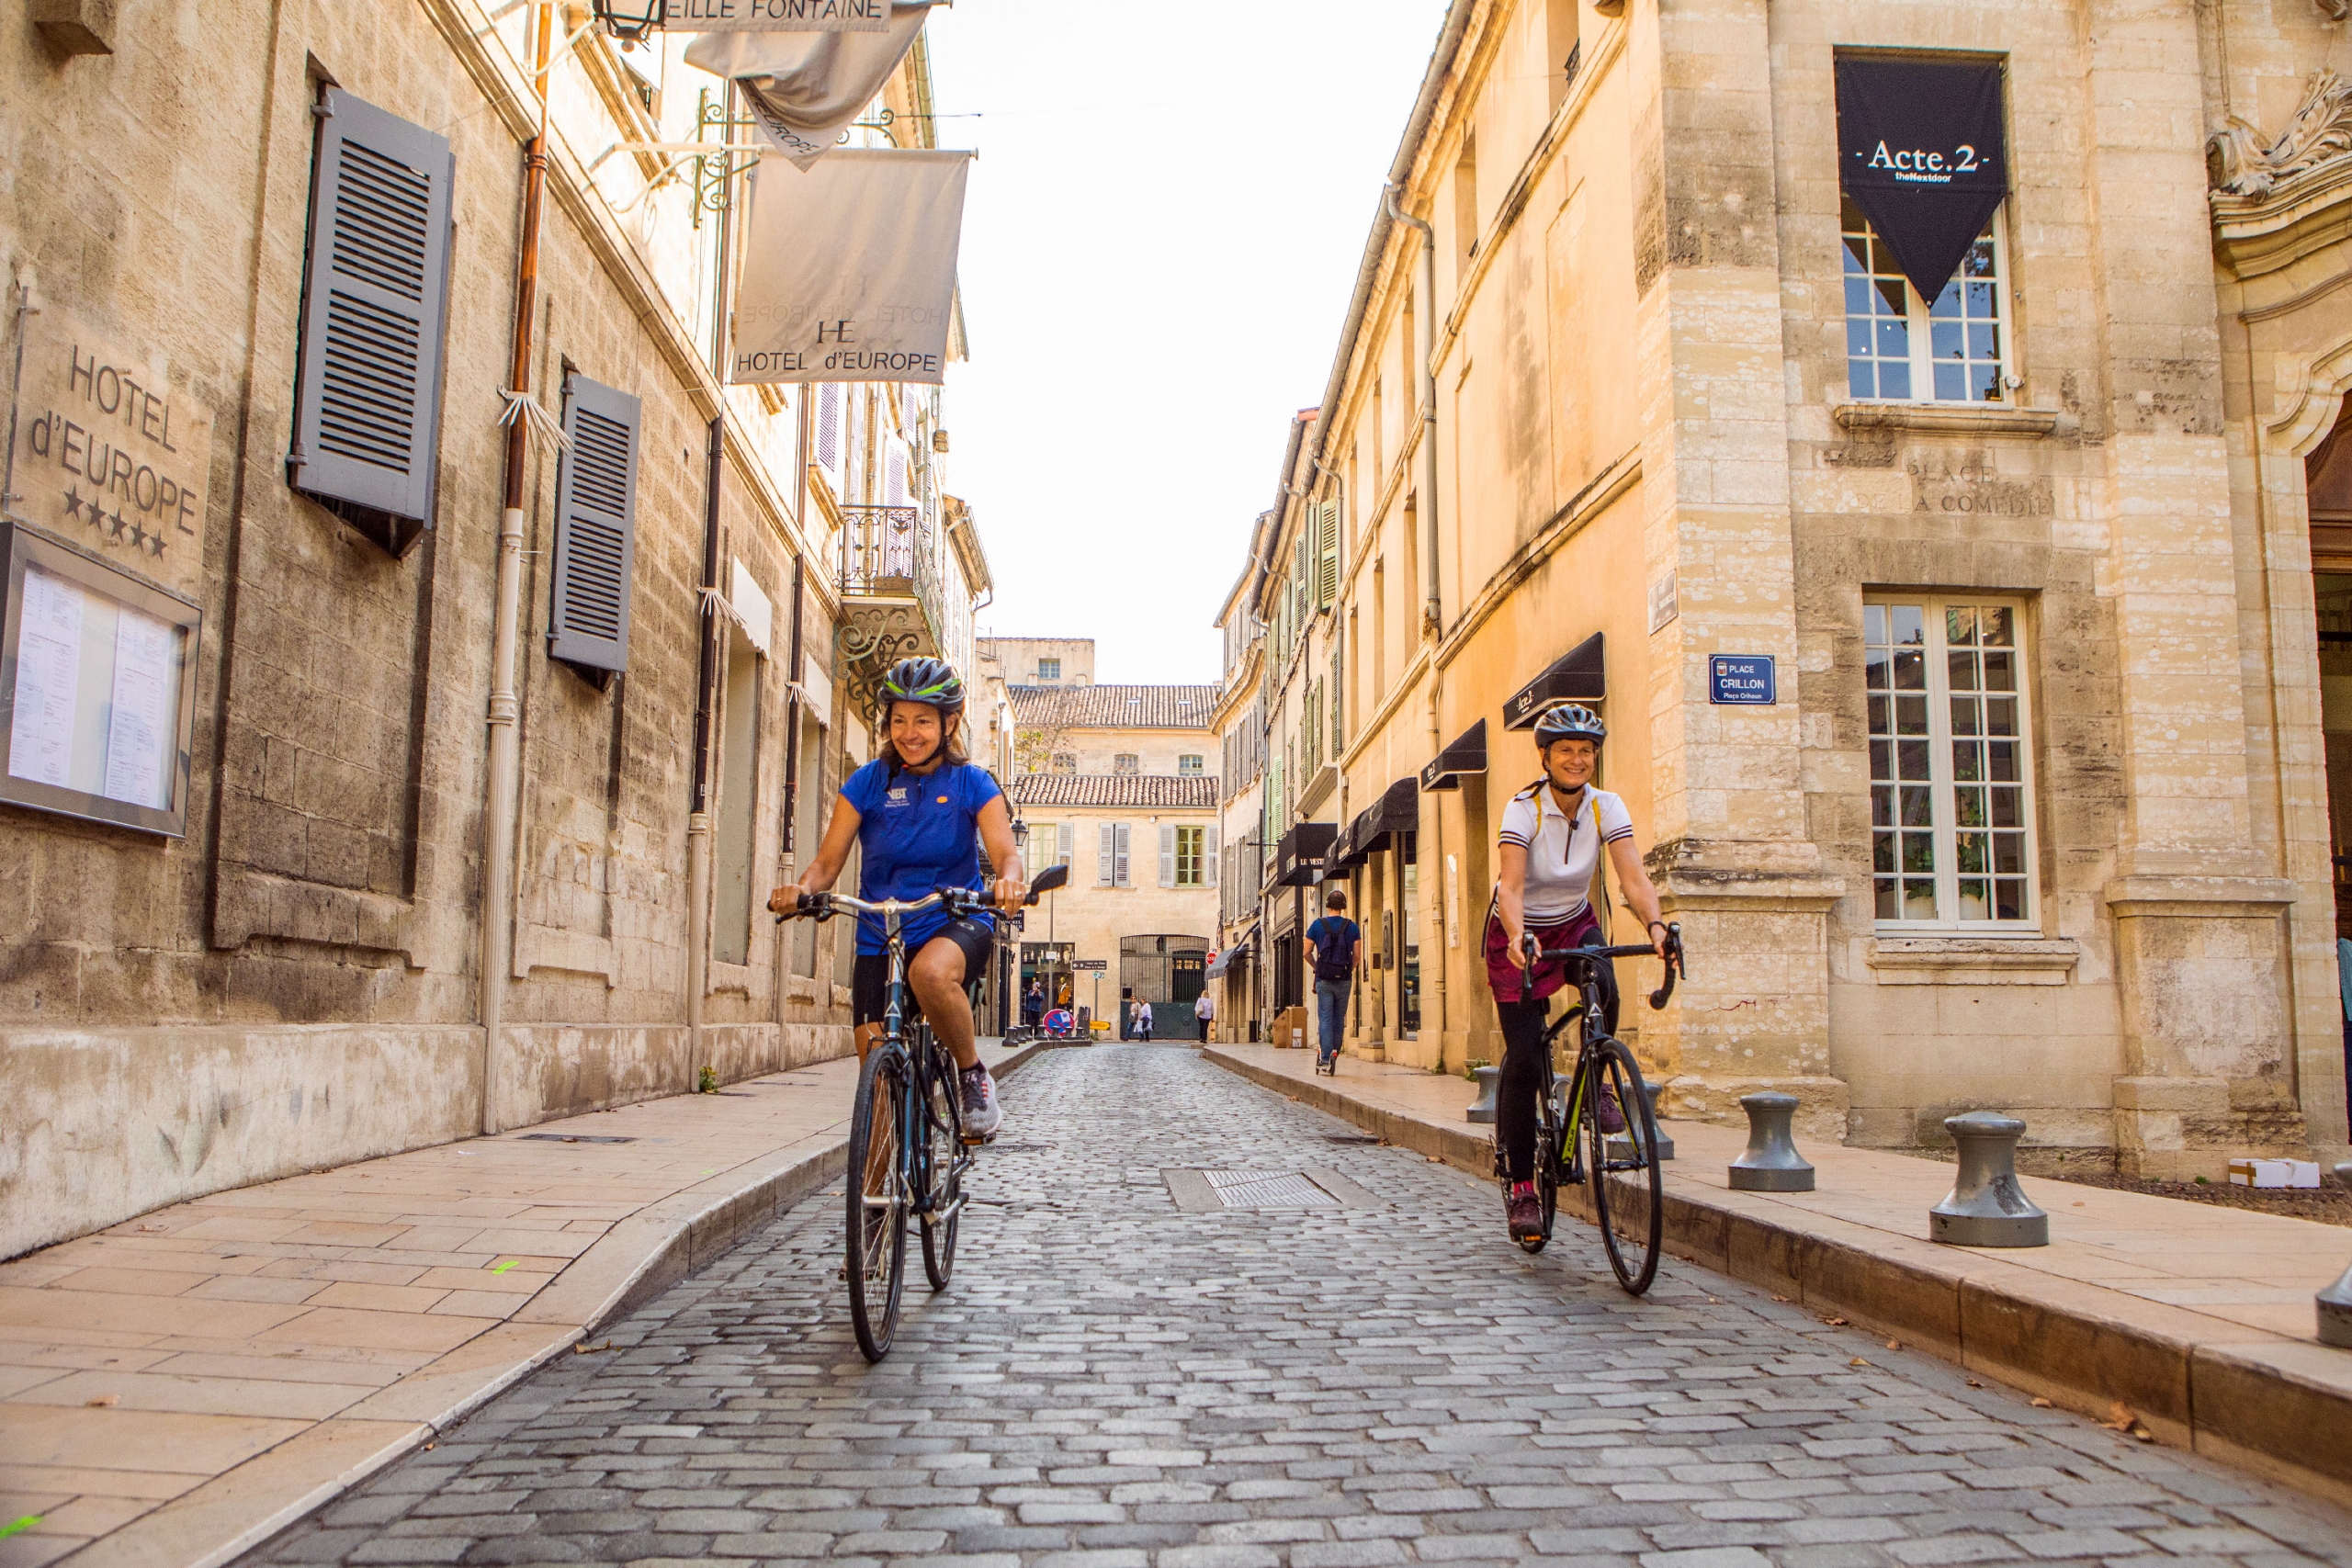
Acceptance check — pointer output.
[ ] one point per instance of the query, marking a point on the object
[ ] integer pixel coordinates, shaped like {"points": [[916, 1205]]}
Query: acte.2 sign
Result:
{"points": [[1742, 680]]}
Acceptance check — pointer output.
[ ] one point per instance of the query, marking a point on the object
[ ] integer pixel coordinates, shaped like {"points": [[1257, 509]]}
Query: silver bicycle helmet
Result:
{"points": [[1570, 721], [930, 681]]}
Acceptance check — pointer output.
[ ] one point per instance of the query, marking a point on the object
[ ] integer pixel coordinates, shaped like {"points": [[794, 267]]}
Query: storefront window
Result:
{"points": [[1408, 1000], [1950, 797], [1899, 347]]}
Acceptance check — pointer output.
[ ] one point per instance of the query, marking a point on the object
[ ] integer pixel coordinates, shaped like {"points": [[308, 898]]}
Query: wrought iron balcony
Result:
{"points": [[891, 583]]}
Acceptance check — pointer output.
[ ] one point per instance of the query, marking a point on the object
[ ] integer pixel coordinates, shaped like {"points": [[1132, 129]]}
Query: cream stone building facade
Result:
{"points": [[1239, 718], [1116, 781], [1970, 662], [402, 867]]}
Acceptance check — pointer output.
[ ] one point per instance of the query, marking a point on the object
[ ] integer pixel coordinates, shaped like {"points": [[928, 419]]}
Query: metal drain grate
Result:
{"points": [[563, 1138], [1349, 1138], [1267, 1190]]}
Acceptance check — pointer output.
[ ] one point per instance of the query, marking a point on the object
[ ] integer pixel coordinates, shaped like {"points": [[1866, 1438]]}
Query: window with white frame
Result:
{"points": [[1126, 762], [1049, 670], [1951, 807], [1900, 348], [1191, 846], [1188, 766]]}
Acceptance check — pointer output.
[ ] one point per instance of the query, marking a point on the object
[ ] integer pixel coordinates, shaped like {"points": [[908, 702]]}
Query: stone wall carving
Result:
{"points": [[2244, 165]]}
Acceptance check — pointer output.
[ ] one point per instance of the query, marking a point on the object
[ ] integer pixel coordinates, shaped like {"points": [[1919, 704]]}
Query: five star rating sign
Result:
{"points": [[130, 531]]}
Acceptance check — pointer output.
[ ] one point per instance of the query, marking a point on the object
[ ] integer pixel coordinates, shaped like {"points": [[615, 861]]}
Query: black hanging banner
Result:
{"points": [[1923, 153]]}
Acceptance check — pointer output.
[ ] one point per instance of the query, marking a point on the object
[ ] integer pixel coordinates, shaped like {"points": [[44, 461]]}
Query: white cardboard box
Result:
{"points": [[2279, 1173]]}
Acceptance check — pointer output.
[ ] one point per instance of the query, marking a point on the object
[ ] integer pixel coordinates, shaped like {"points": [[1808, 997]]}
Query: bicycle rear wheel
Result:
{"points": [[878, 1200], [1628, 1188], [943, 1126]]}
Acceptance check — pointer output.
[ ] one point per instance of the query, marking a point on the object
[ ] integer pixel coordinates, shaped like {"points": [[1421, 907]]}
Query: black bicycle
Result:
{"points": [[908, 1149], [1619, 1165]]}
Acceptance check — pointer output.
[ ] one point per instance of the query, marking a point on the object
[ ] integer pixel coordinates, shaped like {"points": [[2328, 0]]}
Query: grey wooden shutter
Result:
{"points": [[1069, 833], [1167, 857], [1122, 857], [1327, 554], [1106, 863], [596, 526], [829, 426], [375, 303], [1209, 853]]}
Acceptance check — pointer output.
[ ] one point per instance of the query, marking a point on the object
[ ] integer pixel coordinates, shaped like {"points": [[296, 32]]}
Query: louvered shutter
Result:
{"points": [[1107, 864], [1167, 857], [897, 478], [1069, 832], [1123, 878], [829, 426], [1327, 555], [596, 526], [1209, 853], [375, 302]]}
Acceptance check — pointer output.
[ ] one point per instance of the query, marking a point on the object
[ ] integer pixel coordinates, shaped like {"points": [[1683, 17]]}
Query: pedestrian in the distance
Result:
{"points": [[1033, 1006], [1143, 1020], [1336, 942], [1204, 1011]]}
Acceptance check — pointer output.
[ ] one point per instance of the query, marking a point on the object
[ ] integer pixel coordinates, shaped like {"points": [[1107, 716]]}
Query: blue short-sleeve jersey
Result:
{"points": [[916, 832]]}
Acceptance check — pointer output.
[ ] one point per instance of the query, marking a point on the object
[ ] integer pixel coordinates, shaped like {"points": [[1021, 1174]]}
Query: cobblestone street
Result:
{"points": [[1116, 1380]]}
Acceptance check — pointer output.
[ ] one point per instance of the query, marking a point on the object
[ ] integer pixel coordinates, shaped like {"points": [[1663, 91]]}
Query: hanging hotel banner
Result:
{"points": [[849, 269], [777, 16], [1924, 152], [109, 456], [805, 89]]}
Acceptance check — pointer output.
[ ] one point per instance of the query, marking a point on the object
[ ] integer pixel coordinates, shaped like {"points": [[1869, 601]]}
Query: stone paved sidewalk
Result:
{"points": [[1116, 1380], [181, 1384]]}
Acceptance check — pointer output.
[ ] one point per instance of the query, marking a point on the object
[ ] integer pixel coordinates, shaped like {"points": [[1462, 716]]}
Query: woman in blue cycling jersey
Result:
{"points": [[920, 812]]}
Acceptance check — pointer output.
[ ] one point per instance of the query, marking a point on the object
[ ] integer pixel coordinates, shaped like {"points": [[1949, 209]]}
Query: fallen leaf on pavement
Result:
{"points": [[1834, 1322], [2120, 1418], [584, 1349], [103, 1401], [1858, 1361], [2040, 1403], [1974, 1384], [1895, 1344], [1780, 1298]]}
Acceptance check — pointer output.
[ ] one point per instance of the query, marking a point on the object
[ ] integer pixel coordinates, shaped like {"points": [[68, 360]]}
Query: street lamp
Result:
{"points": [[630, 21]]}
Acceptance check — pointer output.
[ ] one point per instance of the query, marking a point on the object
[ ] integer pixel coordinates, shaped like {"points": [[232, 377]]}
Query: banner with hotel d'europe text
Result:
{"points": [[1924, 152], [849, 269]]}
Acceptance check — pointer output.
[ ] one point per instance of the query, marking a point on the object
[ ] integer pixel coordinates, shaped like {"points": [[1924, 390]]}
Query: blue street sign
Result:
{"points": [[1742, 677]]}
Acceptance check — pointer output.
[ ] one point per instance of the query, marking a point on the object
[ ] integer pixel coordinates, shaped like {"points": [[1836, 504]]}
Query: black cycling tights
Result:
{"points": [[1523, 1077]]}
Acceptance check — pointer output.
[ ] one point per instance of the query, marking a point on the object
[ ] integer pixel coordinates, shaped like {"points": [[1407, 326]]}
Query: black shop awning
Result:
{"points": [[1299, 858], [1465, 757], [1398, 810], [1238, 954], [1574, 677], [1922, 150]]}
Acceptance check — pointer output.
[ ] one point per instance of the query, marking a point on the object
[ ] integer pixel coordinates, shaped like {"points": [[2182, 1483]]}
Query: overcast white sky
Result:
{"points": [[1162, 235]]}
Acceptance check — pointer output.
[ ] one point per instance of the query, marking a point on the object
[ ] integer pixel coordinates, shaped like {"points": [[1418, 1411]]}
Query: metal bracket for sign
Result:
{"points": [[715, 171]]}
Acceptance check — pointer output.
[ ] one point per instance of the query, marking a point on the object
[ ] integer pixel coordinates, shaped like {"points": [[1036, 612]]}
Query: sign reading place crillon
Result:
{"points": [[850, 271], [777, 16]]}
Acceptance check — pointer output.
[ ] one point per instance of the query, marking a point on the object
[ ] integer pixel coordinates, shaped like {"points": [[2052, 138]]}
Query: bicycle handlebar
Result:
{"points": [[1531, 954], [955, 901]]}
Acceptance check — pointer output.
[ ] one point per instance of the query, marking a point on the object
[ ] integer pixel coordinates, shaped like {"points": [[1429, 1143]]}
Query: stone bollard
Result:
{"points": [[1987, 1207], [1771, 1163], [1621, 1146], [2335, 1302], [1484, 1111]]}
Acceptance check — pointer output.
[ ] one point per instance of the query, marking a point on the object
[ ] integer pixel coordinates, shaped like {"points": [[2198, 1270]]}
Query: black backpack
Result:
{"points": [[1335, 957]]}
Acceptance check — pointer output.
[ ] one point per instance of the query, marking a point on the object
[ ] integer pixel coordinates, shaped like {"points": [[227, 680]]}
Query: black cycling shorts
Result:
{"points": [[870, 985]]}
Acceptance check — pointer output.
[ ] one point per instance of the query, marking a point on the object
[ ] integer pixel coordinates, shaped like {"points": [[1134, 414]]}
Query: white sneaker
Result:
{"points": [[982, 1114]]}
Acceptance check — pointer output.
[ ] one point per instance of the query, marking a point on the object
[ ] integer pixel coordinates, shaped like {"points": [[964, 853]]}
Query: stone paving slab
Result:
{"points": [[2198, 1319], [1113, 1380], [181, 1385]]}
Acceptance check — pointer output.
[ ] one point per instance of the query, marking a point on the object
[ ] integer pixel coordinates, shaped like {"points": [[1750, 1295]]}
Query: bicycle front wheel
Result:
{"points": [[877, 1196], [1628, 1188], [943, 1126]]}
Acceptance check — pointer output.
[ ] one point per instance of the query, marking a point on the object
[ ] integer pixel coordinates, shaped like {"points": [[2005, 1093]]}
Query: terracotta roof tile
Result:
{"points": [[1166, 790], [1113, 707]]}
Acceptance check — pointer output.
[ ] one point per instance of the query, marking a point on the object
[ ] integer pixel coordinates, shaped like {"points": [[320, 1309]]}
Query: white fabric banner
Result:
{"points": [[777, 16], [849, 267], [805, 89]]}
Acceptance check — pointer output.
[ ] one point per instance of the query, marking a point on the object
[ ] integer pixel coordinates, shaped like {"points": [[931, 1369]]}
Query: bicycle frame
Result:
{"points": [[1591, 1004]]}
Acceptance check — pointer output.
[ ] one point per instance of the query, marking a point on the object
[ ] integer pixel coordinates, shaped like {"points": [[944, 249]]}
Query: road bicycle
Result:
{"points": [[1621, 1166], [908, 1148]]}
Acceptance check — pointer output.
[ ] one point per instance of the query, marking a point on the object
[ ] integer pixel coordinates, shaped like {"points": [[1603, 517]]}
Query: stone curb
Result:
{"points": [[636, 1261], [2280, 1407]]}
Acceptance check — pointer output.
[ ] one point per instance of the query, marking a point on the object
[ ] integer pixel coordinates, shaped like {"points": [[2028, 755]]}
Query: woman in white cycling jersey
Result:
{"points": [[1550, 845], [919, 813]]}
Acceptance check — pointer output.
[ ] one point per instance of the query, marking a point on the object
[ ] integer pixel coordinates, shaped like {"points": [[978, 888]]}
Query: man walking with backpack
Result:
{"points": [[1336, 942]]}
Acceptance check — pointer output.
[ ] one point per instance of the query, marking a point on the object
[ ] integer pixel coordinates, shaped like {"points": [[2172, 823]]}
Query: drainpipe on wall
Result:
{"points": [[505, 705], [698, 824]]}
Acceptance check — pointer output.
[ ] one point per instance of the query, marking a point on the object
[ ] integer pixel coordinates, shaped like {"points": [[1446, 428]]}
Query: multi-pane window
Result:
{"points": [[1126, 762], [1188, 766], [1065, 761], [1049, 670], [1898, 346], [1189, 843], [1950, 807]]}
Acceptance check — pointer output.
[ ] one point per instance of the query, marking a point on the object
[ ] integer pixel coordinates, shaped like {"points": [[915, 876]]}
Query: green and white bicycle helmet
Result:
{"points": [[1570, 721], [930, 681]]}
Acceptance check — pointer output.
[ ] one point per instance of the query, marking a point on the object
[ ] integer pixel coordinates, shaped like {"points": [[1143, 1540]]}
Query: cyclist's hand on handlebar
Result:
{"points": [[1531, 952], [1661, 937], [784, 900], [1010, 893]]}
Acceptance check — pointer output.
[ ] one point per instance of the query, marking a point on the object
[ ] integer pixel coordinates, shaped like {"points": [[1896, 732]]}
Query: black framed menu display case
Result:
{"points": [[98, 686]]}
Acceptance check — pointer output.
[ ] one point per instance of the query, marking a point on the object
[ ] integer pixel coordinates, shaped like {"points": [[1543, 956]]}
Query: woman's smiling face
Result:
{"points": [[1569, 763], [917, 732]]}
